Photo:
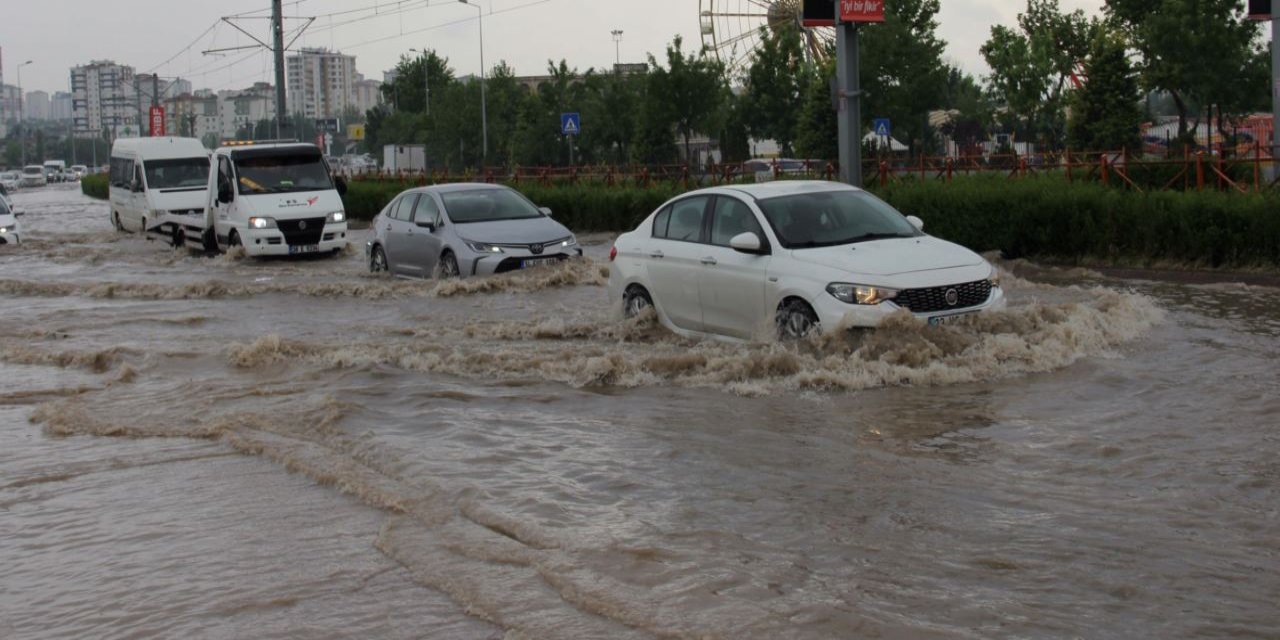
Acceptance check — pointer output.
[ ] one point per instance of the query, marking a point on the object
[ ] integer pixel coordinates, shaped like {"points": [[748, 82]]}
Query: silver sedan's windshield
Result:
{"points": [[487, 205], [830, 218]]}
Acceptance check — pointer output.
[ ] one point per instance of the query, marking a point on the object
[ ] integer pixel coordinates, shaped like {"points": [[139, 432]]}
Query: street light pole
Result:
{"points": [[21, 108], [484, 102], [617, 45]]}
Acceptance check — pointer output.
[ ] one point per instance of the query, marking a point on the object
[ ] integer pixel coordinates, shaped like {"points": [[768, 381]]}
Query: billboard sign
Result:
{"points": [[862, 11], [157, 121], [1260, 9], [327, 125]]}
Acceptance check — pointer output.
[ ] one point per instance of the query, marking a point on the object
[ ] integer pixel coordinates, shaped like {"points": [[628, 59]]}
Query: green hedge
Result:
{"points": [[582, 207], [94, 186], [1044, 217], [1047, 217]]}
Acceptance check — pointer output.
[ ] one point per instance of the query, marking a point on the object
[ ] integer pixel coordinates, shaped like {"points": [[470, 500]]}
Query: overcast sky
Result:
{"points": [[58, 34]]}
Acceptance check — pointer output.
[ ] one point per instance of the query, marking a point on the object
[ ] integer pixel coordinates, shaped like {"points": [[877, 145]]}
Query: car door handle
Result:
{"points": [[657, 255], [709, 261], [388, 227]]}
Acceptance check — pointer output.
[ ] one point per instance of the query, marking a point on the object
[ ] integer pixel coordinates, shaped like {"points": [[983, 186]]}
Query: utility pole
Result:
{"points": [[277, 41], [617, 45], [1275, 91], [849, 102]]}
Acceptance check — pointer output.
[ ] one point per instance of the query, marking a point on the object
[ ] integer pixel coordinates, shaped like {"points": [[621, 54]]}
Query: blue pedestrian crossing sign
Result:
{"points": [[882, 127], [570, 124]]}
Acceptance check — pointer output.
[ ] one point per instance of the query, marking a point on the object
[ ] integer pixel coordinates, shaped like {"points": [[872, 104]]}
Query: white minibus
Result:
{"points": [[157, 184]]}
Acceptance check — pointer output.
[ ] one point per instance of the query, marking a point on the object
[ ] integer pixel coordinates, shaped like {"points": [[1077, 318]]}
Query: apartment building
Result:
{"points": [[321, 83], [103, 98]]}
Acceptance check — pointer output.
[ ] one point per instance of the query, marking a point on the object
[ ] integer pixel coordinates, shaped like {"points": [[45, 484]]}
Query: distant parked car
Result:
{"points": [[460, 230], [10, 231], [68, 175], [81, 170], [33, 176], [10, 180], [802, 255]]}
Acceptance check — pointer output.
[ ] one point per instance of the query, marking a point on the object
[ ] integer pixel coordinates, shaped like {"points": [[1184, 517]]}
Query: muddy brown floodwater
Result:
{"points": [[217, 447]]}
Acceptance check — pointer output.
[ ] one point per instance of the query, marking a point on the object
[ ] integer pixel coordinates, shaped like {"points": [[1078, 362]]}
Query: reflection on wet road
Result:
{"points": [[217, 446]]}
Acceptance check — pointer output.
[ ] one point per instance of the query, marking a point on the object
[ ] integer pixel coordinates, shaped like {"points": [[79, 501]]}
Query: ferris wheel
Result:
{"points": [[731, 29]]}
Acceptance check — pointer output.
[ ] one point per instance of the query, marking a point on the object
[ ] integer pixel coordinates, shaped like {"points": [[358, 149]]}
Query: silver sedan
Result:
{"points": [[459, 230]]}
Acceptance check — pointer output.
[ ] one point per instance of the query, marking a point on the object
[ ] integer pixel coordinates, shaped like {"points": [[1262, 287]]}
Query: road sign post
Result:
{"points": [[850, 15], [570, 126]]}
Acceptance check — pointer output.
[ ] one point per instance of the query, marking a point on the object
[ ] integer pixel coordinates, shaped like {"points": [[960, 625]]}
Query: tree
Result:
{"points": [[1030, 65], [817, 127], [1197, 50], [692, 87], [774, 85], [902, 70], [1105, 114]]}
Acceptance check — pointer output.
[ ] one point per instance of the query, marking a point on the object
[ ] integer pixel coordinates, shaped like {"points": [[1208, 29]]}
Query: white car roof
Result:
{"points": [[777, 188], [160, 148]]}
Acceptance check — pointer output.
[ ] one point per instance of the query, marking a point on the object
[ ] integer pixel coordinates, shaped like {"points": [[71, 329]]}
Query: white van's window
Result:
{"points": [[284, 173], [177, 173]]}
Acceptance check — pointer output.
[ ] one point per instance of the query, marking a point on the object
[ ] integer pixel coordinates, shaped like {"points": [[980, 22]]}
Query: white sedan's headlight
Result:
{"points": [[860, 294], [480, 247], [338, 216], [4, 230], [262, 223], [569, 242]]}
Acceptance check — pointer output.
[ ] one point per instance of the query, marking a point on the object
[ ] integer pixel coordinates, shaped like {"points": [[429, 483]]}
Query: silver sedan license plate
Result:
{"points": [[536, 262]]}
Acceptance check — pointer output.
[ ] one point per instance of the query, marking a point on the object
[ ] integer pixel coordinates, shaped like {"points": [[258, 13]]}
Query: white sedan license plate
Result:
{"points": [[940, 320], [305, 248], [537, 262]]}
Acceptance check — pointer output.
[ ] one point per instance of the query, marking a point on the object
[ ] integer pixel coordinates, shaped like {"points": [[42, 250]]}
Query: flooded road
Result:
{"points": [[217, 447]]}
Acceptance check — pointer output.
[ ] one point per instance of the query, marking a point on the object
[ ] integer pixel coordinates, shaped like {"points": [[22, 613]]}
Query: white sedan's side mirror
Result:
{"points": [[546, 211], [916, 222], [746, 242], [18, 212]]}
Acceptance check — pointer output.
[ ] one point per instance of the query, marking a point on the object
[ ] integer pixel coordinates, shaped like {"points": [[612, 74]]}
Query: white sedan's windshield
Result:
{"points": [[830, 218], [487, 205]]}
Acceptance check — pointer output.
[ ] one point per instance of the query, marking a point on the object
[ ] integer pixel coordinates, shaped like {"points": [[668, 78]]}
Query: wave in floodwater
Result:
{"points": [[567, 274], [1033, 338]]}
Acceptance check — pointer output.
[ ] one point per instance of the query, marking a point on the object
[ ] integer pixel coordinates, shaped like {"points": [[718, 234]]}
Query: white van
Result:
{"points": [[157, 184], [276, 199], [53, 170]]}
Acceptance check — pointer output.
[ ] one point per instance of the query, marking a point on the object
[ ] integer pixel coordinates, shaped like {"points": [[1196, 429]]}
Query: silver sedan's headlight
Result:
{"points": [[860, 294], [337, 216], [569, 242], [4, 230], [480, 247]]}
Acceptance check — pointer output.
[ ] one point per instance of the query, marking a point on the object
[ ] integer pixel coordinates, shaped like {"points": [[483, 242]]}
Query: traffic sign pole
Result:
{"points": [[849, 117]]}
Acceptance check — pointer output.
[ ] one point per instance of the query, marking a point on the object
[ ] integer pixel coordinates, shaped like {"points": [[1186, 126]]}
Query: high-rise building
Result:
{"points": [[320, 83], [189, 116], [36, 106], [60, 106], [103, 98], [245, 108], [365, 94]]}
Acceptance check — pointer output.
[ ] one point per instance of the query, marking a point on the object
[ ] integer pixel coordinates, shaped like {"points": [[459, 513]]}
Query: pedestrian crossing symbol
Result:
{"points": [[882, 127], [570, 124]]}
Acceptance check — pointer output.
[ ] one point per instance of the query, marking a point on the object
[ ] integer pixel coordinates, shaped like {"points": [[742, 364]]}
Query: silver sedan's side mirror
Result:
{"points": [[916, 222], [17, 213], [546, 211], [746, 243]]}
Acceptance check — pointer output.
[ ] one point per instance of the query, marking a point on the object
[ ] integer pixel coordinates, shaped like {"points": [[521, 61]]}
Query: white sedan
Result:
{"points": [[10, 229], [793, 256]]}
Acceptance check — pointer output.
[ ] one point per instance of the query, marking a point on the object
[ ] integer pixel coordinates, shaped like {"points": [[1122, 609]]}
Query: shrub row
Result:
{"points": [[1047, 217], [1043, 217], [94, 185], [582, 207]]}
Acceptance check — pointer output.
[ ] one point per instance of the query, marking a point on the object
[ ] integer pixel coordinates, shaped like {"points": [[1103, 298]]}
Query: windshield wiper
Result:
{"points": [[866, 237]]}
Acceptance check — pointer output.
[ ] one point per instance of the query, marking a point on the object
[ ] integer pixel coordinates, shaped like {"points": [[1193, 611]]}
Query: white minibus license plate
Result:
{"points": [[305, 248]]}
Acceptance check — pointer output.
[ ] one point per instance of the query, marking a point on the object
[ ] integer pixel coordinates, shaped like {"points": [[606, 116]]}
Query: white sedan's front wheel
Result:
{"points": [[796, 320], [635, 301]]}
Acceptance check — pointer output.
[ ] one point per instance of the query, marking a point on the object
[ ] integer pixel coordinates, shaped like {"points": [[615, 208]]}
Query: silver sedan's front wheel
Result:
{"points": [[378, 261], [448, 267]]}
